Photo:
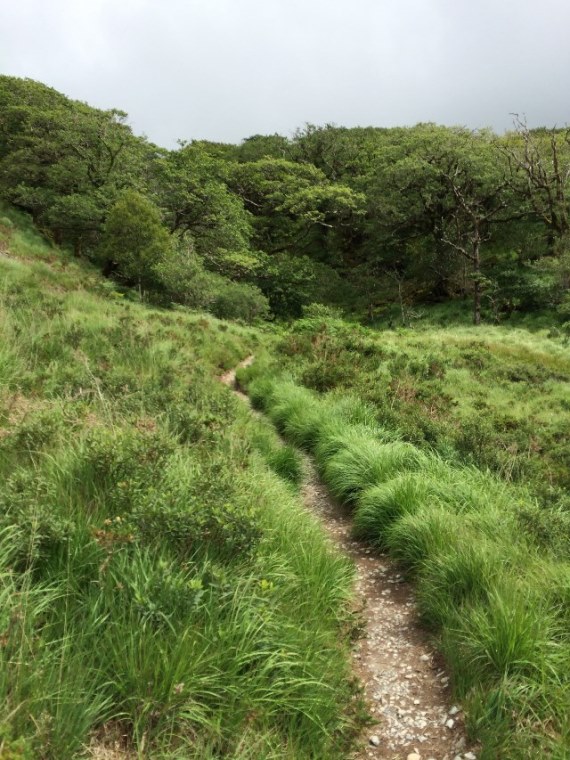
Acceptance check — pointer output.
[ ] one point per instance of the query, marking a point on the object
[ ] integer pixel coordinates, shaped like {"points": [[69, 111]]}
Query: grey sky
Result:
{"points": [[228, 69]]}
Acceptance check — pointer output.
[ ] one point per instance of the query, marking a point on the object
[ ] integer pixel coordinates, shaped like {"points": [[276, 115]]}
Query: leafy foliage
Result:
{"points": [[362, 218]]}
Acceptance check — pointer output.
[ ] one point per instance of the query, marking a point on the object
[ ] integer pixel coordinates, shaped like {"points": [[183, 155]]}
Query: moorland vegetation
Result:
{"points": [[162, 591], [406, 294]]}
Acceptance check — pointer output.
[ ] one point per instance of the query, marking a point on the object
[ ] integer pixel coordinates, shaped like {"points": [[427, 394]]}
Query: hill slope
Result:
{"points": [[154, 600], [489, 552]]}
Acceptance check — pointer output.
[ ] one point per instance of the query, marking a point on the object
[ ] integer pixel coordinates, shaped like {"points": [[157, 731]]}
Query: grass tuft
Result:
{"points": [[357, 467]]}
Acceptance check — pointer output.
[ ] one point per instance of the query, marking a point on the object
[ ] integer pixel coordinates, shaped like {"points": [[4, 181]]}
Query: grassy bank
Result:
{"points": [[495, 596], [496, 397], [162, 590]]}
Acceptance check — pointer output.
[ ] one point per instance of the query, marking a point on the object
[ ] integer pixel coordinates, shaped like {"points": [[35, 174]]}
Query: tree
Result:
{"points": [[447, 185], [134, 241], [257, 147], [190, 186], [63, 161], [292, 204], [539, 162]]}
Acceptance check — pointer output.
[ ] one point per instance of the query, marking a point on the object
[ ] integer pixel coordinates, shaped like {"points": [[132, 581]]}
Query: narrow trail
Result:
{"points": [[405, 685], [229, 378]]}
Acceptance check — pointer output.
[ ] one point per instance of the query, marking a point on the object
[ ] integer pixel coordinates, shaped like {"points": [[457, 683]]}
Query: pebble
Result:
{"points": [[424, 658], [414, 756], [450, 723], [469, 756], [374, 741], [454, 710]]}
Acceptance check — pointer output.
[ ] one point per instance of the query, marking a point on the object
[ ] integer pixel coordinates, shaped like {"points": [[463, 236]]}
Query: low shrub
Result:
{"points": [[238, 300], [28, 507]]}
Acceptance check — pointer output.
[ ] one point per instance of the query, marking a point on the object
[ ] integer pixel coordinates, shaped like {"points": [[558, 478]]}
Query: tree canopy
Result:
{"points": [[359, 218]]}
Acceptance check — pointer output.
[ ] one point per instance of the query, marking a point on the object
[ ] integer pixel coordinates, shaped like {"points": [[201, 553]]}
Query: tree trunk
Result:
{"points": [[476, 282], [401, 300]]}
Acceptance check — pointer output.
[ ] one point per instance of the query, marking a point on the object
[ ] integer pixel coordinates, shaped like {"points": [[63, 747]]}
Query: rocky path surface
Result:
{"points": [[405, 684]]}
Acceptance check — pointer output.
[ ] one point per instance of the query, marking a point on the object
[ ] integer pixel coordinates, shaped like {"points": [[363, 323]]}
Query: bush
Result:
{"points": [[321, 311], [113, 468], [184, 278], [28, 506], [191, 507], [238, 300]]}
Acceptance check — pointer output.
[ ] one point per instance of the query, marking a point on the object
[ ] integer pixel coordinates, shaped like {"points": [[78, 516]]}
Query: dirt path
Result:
{"points": [[229, 378], [404, 681]]}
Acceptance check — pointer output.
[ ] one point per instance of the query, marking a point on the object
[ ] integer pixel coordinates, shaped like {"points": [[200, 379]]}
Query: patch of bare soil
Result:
{"points": [[229, 378], [15, 408], [111, 742]]}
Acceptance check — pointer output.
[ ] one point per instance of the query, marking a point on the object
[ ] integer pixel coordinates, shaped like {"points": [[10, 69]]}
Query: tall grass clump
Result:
{"points": [[282, 458], [296, 413], [461, 574], [357, 467], [336, 434], [379, 506], [416, 536], [510, 634], [260, 391]]}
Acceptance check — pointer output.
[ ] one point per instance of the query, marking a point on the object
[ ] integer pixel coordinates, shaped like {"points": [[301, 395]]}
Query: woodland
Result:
{"points": [[362, 219]]}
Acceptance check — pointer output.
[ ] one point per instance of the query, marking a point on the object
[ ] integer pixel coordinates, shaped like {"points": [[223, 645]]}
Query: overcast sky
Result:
{"points": [[227, 69]]}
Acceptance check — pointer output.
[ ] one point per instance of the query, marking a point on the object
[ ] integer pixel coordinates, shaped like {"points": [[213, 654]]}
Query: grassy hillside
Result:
{"points": [[397, 427], [162, 591], [493, 396]]}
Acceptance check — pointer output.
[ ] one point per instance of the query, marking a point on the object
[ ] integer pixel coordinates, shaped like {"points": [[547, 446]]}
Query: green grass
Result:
{"points": [[359, 466], [494, 594], [158, 576], [494, 396]]}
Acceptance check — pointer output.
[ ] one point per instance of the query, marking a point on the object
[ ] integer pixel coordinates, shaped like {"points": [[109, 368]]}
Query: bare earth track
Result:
{"points": [[404, 682]]}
